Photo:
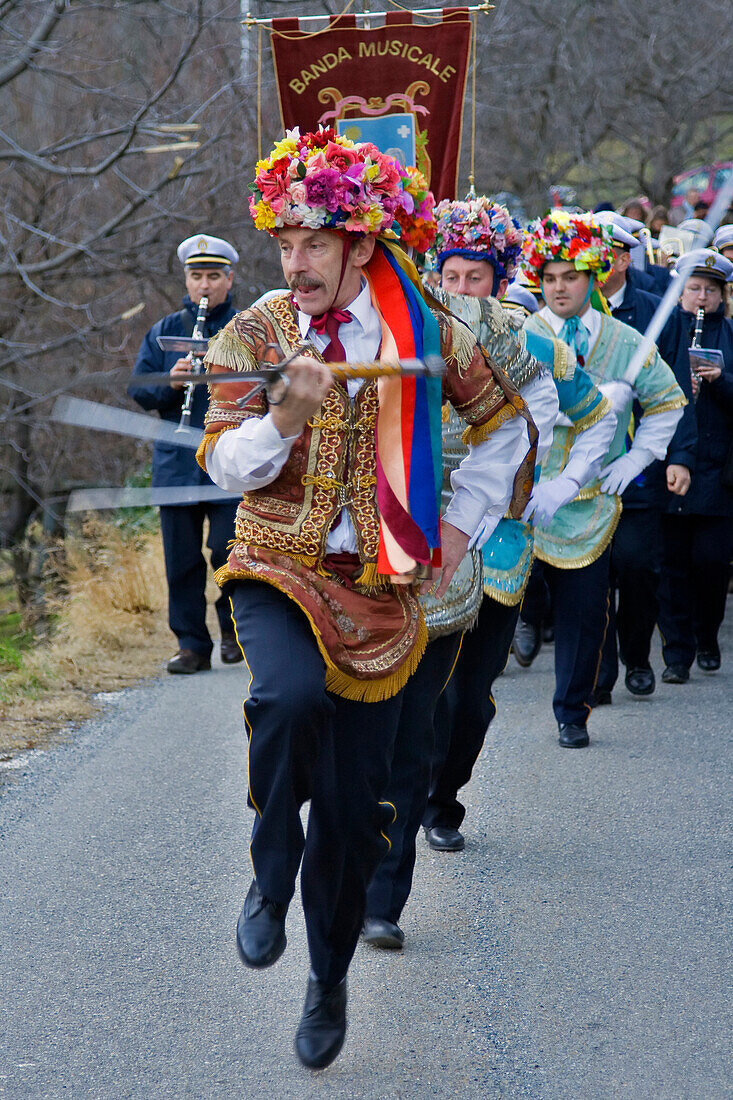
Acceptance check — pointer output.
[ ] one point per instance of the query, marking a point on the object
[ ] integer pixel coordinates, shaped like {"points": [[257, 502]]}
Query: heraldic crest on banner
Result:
{"points": [[391, 123]]}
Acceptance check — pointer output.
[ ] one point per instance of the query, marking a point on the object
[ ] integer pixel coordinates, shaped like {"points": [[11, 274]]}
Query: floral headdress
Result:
{"points": [[322, 180], [575, 238], [478, 229], [417, 226]]}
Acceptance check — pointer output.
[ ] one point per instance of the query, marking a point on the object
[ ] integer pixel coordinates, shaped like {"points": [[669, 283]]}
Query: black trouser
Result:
{"points": [[580, 616], [692, 594], [306, 743], [182, 528], [536, 604], [466, 709], [636, 569], [410, 778]]}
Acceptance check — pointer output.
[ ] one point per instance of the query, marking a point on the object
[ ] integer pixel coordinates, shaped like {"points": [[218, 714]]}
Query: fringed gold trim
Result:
{"points": [[370, 577], [593, 416], [376, 691], [479, 433], [226, 350], [508, 599], [595, 553], [338, 681], [208, 442], [668, 406]]}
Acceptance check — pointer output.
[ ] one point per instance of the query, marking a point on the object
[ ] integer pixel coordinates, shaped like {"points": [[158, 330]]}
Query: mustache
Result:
{"points": [[304, 281]]}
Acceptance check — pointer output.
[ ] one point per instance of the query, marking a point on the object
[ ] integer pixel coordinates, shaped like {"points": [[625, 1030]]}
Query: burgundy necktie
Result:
{"points": [[329, 323]]}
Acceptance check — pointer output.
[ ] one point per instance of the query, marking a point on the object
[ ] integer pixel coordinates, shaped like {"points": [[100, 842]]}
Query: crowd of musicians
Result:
{"points": [[392, 537]]}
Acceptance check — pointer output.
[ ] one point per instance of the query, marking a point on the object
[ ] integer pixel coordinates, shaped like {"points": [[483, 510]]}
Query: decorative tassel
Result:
{"points": [[208, 442], [227, 351]]}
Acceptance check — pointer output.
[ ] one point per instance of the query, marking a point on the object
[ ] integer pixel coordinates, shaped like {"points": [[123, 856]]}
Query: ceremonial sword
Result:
{"points": [[268, 374]]}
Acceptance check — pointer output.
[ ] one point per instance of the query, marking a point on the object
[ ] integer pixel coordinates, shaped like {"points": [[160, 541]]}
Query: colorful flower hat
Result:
{"points": [[417, 228], [576, 238], [478, 229], [322, 180]]}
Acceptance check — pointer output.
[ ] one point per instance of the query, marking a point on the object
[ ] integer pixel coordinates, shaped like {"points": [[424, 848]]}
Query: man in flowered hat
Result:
{"points": [[568, 256], [477, 248], [418, 741], [339, 520], [481, 234]]}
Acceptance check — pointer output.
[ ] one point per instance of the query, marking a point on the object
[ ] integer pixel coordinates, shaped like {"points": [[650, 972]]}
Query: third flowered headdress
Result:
{"points": [[575, 238]]}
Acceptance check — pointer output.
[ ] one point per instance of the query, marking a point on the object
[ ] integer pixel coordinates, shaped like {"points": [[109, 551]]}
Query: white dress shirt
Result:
{"points": [[251, 456]]}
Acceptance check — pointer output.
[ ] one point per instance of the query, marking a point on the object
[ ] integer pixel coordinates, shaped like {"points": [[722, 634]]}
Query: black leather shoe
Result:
{"points": [[188, 661], [230, 651], [322, 1027], [675, 674], [261, 929], [640, 681], [708, 659], [527, 642], [572, 737], [382, 933], [601, 698], [444, 839]]}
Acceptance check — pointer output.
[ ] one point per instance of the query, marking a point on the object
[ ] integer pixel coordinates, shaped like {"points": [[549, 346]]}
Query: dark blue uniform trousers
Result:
{"points": [[466, 709], [692, 595], [580, 617], [409, 781], [636, 569], [182, 528], [307, 743]]}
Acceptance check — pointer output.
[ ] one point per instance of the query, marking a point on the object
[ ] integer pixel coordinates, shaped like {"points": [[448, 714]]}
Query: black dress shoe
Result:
{"points": [[230, 651], [322, 1027], [572, 737], [382, 933], [601, 698], [444, 839], [188, 661], [675, 674], [261, 929], [640, 681], [526, 643], [708, 659]]}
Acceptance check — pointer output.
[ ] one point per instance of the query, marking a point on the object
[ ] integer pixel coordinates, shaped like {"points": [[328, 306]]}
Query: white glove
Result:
{"points": [[548, 497], [618, 475], [620, 394]]}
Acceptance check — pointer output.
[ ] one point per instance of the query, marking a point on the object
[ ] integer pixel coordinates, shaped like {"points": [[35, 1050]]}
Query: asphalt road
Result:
{"points": [[578, 948]]}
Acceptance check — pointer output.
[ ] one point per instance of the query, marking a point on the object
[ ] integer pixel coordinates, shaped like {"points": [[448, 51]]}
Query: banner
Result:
{"points": [[400, 86]]}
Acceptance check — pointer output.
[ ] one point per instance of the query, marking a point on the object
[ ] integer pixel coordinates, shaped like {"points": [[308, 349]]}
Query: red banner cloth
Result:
{"points": [[347, 77]]}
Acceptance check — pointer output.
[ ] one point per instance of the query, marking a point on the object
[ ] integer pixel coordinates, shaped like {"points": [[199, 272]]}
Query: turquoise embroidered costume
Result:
{"points": [[582, 529]]}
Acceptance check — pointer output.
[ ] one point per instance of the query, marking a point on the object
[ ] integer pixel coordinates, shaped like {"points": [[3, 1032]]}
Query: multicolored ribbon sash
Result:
{"points": [[409, 425]]}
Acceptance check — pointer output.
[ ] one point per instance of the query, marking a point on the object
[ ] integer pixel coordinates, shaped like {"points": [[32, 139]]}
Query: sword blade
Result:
{"points": [[184, 344], [93, 500], [107, 418]]}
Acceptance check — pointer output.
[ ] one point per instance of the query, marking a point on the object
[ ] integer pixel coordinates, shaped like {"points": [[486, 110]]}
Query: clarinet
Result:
{"points": [[696, 337], [197, 366]]}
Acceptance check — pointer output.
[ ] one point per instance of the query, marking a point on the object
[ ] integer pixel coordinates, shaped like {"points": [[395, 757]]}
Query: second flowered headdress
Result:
{"points": [[478, 229], [322, 180], [575, 238]]}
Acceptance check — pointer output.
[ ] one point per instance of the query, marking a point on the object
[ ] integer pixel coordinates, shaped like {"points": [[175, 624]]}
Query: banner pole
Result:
{"points": [[472, 175], [250, 21]]}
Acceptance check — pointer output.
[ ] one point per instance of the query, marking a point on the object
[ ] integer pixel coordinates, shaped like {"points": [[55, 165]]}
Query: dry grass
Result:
{"points": [[111, 632]]}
